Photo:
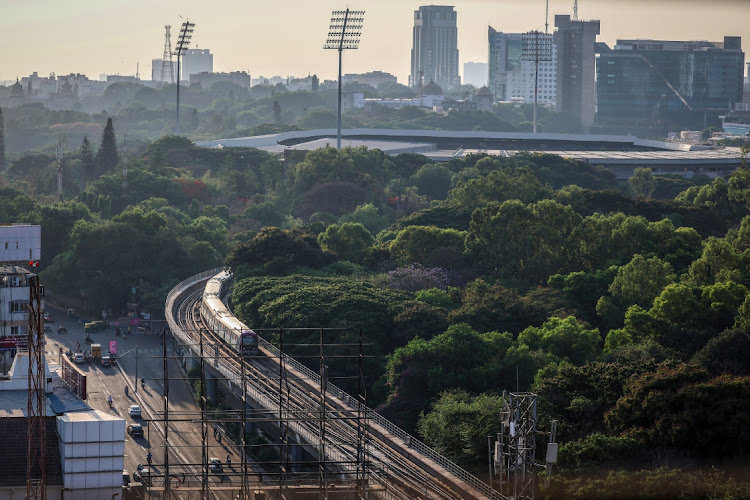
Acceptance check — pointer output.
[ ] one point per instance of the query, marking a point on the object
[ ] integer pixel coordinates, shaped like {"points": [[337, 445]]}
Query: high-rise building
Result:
{"points": [[196, 61], [434, 53], [475, 73], [576, 67], [667, 83], [511, 76]]}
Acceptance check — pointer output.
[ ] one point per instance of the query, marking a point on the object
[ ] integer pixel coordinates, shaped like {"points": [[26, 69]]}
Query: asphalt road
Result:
{"points": [[141, 356]]}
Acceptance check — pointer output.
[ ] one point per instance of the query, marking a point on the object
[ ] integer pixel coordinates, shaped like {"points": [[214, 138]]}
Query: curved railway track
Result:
{"points": [[288, 396]]}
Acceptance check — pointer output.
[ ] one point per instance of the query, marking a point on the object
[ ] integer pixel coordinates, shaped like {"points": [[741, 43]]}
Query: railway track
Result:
{"points": [[289, 393]]}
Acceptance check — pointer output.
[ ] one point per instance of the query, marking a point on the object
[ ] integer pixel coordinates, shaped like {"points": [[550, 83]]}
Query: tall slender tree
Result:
{"points": [[87, 158], [106, 157], [2, 141]]}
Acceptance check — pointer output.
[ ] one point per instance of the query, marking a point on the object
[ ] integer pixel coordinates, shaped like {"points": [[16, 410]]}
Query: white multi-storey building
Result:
{"points": [[511, 75]]}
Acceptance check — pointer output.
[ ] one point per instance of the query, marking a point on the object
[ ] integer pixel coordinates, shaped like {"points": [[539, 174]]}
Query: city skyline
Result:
{"points": [[87, 37]]}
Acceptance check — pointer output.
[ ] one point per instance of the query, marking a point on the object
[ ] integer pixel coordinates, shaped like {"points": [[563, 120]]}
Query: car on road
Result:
{"points": [[215, 464], [48, 317], [106, 361], [78, 358], [134, 411], [135, 430]]}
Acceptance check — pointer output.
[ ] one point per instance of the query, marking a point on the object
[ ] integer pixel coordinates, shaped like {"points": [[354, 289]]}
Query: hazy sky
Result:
{"points": [[286, 37]]}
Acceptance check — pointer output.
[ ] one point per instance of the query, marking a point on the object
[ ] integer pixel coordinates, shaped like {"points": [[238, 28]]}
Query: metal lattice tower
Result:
{"points": [[36, 468], [167, 68], [522, 444], [575, 10]]}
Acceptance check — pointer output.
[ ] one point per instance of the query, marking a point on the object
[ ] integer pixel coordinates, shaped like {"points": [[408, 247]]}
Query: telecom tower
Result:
{"points": [[575, 10], [167, 68], [36, 469]]}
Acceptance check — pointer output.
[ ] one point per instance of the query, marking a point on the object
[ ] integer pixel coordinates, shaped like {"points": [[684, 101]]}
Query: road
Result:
{"points": [[141, 355]]}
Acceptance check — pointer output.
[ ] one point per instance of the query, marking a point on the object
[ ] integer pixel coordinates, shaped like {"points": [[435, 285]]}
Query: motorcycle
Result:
{"points": [[143, 383], [109, 400], [149, 458], [89, 339], [117, 331], [47, 328], [62, 329]]}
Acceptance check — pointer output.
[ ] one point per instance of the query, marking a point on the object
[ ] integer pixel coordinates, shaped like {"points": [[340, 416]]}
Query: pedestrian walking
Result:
{"points": [[215, 432]]}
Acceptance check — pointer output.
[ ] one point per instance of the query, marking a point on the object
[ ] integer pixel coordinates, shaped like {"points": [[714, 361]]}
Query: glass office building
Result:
{"points": [[669, 83]]}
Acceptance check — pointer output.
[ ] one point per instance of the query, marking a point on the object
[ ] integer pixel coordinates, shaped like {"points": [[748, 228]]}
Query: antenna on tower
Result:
{"points": [[167, 68], [546, 19], [575, 10], [137, 73]]}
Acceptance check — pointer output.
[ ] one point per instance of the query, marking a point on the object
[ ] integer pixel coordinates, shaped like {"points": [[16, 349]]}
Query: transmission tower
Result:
{"points": [[36, 466], [575, 10], [167, 68]]}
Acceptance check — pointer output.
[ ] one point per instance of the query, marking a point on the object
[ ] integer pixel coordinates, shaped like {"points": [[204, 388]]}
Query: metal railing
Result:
{"points": [[341, 395]]}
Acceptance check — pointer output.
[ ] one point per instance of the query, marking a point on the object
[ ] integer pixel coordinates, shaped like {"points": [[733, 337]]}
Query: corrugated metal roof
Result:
{"points": [[16, 403], [62, 400]]}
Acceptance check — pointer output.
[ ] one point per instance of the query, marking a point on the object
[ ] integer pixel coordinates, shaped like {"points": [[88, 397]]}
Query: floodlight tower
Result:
{"points": [[537, 47], [344, 33], [186, 33]]}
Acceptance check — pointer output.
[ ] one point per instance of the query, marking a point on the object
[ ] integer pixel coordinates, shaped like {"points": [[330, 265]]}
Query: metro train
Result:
{"points": [[221, 321]]}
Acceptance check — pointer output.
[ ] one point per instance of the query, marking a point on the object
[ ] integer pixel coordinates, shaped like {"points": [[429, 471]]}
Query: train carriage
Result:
{"points": [[221, 321]]}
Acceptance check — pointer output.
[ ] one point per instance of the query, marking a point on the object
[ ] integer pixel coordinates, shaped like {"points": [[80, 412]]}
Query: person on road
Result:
{"points": [[149, 457], [126, 390], [229, 460], [143, 383], [109, 400]]}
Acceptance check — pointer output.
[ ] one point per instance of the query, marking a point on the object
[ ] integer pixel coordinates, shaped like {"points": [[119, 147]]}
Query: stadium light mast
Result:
{"points": [[186, 33], [537, 47], [344, 33]]}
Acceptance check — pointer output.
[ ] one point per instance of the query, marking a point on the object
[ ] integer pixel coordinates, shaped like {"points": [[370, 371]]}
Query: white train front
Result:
{"points": [[222, 322]]}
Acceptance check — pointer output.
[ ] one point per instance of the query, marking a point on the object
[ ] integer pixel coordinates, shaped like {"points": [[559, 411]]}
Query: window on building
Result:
{"points": [[15, 330], [18, 306]]}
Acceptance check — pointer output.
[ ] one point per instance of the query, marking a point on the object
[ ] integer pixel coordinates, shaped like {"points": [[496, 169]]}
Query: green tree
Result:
{"points": [[684, 407], [349, 241], [642, 183], [458, 424], [87, 159], [566, 338], [433, 180], [369, 216], [430, 246], [640, 281], [106, 156]]}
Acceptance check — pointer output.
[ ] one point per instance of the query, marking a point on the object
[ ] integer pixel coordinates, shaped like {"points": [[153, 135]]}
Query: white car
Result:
{"points": [[134, 411], [78, 358]]}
